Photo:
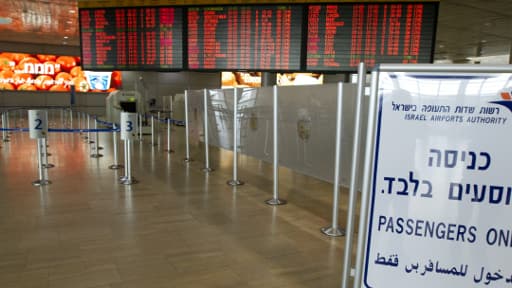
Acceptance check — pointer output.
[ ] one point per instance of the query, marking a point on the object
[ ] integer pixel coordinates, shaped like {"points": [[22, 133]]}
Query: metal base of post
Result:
{"points": [[99, 148], [333, 232], [235, 182], [207, 170], [275, 202], [187, 160], [115, 166], [41, 182], [128, 181], [48, 166], [169, 151], [89, 141], [96, 155]]}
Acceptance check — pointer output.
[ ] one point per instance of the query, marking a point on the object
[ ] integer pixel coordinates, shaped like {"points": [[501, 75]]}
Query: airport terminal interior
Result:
{"points": [[177, 222]]}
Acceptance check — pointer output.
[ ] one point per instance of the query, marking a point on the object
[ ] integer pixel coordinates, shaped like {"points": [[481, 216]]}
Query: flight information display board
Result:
{"points": [[149, 38], [340, 36], [257, 38]]}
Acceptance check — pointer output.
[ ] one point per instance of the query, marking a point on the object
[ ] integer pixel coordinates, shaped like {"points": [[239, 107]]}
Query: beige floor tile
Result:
{"points": [[178, 227]]}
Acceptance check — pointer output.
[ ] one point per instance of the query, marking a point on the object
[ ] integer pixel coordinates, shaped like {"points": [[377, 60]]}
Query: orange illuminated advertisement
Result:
{"points": [[37, 72]]}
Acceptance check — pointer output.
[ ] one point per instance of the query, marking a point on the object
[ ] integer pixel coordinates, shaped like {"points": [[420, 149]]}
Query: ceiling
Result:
{"points": [[468, 31]]}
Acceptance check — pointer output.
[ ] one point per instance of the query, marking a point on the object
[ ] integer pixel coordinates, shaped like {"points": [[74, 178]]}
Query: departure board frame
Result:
{"points": [[354, 60], [168, 59], [300, 47]]}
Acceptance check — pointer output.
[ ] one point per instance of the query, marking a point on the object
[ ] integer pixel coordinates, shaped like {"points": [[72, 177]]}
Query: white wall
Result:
{"points": [[158, 84]]}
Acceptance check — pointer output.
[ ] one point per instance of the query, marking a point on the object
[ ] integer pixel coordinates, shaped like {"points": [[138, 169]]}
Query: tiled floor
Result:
{"points": [[178, 227]]}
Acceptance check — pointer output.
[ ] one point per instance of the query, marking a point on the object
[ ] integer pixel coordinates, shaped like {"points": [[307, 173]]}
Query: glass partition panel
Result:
{"points": [[256, 122], [307, 129]]}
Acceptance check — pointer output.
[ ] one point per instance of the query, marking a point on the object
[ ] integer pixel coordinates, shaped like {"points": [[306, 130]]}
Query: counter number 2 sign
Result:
{"points": [[38, 123]]}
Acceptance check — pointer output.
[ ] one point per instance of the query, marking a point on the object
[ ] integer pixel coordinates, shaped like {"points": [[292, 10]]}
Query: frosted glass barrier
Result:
{"points": [[220, 118], [307, 125], [195, 116], [307, 129], [256, 122]]}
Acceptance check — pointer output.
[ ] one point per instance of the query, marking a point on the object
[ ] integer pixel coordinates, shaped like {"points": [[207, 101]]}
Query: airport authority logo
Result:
{"points": [[506, 98]]}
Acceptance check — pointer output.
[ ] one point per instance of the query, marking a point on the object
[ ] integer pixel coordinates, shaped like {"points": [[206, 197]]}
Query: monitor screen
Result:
{"points": [[255, 38], [340, 36], [148, 38]]}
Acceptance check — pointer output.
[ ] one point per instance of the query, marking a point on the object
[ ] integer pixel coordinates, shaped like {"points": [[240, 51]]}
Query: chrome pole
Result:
{"points": [[116, 164], [79, 120], [96, 147], [354, 177], [275, 199], [128, 179], [8, 121], [125, 162], [153, 130], [46, 154], [205, 133], [365, 193], [187, 142], [41, 181], [169, 149], [235, 181], [140, 127], [4, 126], [70, 118], [89, 129], [334, 230]]}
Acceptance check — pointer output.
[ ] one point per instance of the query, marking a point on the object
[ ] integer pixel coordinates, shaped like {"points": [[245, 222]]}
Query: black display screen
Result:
{"points": [[149, 38], [340, 36], [257, 38]]}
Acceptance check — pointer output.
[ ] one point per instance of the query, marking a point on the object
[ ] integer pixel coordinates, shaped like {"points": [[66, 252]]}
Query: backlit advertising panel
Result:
{"points": [[38, 72]]}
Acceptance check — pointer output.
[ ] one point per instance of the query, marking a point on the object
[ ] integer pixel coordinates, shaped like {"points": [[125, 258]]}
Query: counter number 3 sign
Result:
{"points": [[128, 126]]}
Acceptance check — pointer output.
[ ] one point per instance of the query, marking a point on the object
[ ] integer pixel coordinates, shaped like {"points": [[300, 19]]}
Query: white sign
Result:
{"points": [[38, 123], [440, 207], [128, 126]]}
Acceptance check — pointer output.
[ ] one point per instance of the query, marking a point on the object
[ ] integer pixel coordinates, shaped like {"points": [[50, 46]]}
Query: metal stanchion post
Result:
{"points": [[41, 181], [169, 149], [79, 120], [158, 115], [205, 133], [4, 126], [123, 178], [96, 147], [140, 127], [89, 130], [153, 130], [354, 176], [235, 181], [8, 120], [38, 128], [128, 132], [128, 180], [187, 142], [46, 154], [365, 195], [114, 145], [70, 118], [84, 125], [334, 230], [275, 198]]}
